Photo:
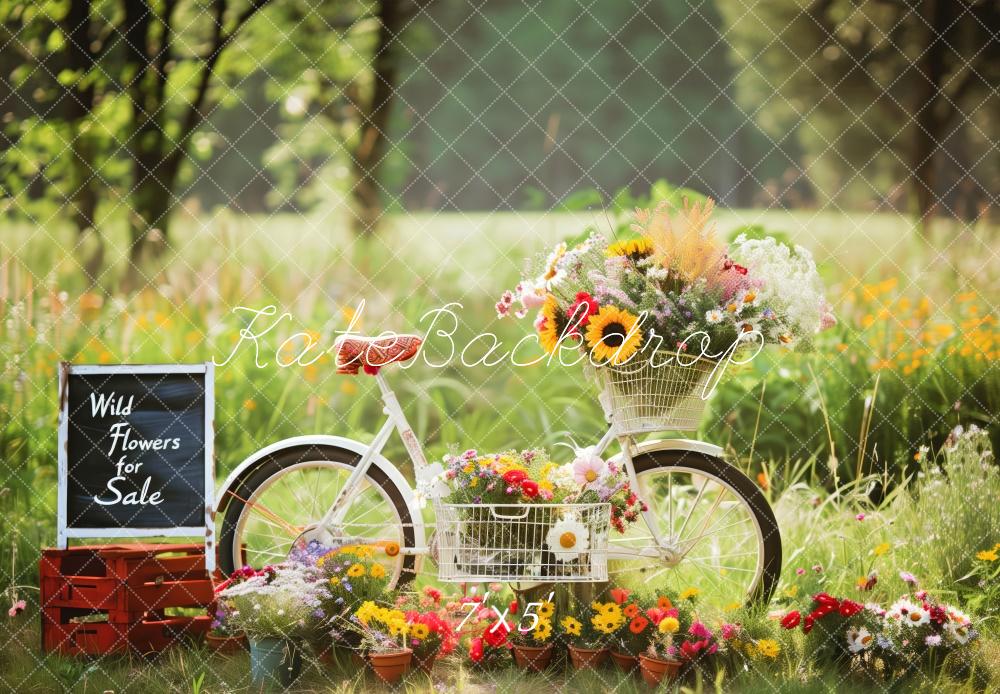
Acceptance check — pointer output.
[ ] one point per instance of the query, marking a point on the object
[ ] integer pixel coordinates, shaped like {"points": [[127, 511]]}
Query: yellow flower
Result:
{"points": [[669, 625], [689, 593], [377, 571], [553, 325], [397, 627], [632, 248], [249, 405], [987, 555], [546, 610], [792, 591], [543, 630], [334, 581], [419, 631], [768, 648], [356, 570], [881, 549], [613, 335], [571, 626]]}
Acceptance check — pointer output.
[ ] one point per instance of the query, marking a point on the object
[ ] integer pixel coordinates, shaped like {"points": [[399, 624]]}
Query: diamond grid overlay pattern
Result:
{"points": [[371, 282]]}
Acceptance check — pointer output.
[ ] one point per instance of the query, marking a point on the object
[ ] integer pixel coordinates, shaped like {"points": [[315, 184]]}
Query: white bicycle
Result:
{"points": [[706, 525]]}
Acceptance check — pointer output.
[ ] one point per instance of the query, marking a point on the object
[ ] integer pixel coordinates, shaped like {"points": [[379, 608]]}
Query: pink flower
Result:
{"points": [[818, 568], [920, 595], [800, 571], [17, 608], [699, 630], [588, 468], [859, 517], [729, 630], [933, 640], [907, 577]]}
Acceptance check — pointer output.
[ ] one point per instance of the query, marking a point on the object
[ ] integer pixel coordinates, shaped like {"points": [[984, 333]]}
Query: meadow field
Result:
{"points": [[854, 443]]}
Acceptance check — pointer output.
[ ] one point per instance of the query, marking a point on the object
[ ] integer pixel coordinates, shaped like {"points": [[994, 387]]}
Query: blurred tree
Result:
{"points": [[339, 99], [880, 91], [118, 90], [522, 104]]}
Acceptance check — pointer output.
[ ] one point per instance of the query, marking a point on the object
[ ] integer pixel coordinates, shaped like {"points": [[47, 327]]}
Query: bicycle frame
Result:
{"points": [[396, 421]]}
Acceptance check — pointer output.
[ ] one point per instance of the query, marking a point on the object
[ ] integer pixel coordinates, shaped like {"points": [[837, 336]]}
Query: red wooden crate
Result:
{"points": [[125, 590], [149, 635], [125, 580]]}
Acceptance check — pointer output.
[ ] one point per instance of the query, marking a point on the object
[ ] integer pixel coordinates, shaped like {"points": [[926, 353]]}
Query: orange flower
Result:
{"points": [[619, 595], [664, 603], [631, 611], [638, 624]]}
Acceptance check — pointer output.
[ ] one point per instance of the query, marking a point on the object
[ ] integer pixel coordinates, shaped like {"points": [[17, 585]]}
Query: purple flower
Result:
{"points": [[907, 577], [933, 640]]}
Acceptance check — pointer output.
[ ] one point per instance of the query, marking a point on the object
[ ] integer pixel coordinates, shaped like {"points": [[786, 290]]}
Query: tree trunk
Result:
{"points": [[928, 129], [371, 150], [77, 107]]}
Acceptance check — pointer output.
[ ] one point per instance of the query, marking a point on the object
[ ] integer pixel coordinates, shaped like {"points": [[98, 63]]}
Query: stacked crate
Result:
{"points": [[107, 598]]}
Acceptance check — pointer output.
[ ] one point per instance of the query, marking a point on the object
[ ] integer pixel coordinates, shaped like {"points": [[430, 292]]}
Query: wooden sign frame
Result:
{"points": [[207, 530]]}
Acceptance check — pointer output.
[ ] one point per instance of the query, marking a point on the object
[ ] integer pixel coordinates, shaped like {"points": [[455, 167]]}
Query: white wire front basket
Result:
{"points": [[522, 542], [655, 393]]}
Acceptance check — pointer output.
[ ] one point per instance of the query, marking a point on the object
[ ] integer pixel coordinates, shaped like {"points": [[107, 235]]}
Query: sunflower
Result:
{"points": [[419, 631], [612, 334], [377, 571], [546, 610], [689, 593], [543, 630], [633, 249], [553, 324], [571, 625], [356, 570]]}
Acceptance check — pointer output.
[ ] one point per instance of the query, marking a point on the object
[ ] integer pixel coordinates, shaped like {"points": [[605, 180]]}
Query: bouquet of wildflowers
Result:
{"points": [[382, 629], [671, 281], [914, 632], [277, 601]]}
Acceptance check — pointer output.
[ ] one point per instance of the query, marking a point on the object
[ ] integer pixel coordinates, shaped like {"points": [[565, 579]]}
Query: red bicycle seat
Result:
{"points": [[372, 353]]}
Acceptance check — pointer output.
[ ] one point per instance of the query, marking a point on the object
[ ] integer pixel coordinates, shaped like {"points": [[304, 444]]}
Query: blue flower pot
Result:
{"points": [[274, 661]]}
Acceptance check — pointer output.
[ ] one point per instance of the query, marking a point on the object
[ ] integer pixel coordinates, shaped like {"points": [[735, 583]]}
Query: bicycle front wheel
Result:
{"points": [[718, 536]]}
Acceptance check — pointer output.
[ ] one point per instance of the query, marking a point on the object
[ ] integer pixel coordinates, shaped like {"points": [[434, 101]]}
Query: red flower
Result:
{"points": [[826, 599], [580, 311], [513, 607], [619, 595], [691, 649], [529, 488], [476, 650], [515, 477], [631, 610], [791, 620], [433, 593], [807, 625], [823, 611], [849, 608], [496, 634]]}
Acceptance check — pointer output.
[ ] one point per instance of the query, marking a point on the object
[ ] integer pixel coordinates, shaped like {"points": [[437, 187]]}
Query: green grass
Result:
{"points": [[777, 418]]}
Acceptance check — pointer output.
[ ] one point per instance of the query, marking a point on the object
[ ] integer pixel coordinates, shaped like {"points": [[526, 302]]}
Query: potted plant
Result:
{"points": [[220, 637], [430, 635], [631, 639], [588, 634], [658, 661], [354, 574], [532, 642], [383, 632], [273, 608]]}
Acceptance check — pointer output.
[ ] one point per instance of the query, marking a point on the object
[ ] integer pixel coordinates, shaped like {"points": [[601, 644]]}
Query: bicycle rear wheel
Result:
{"points": [[282, 500]]}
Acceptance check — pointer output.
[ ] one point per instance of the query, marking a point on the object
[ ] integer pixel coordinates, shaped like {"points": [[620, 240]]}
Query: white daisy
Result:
{"points": [[567, 539], [713, 316], [959, 633], [858, 639], [749, 297]]}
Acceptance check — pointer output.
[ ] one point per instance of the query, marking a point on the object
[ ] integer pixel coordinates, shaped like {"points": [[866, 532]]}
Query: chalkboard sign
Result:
{"points": [[136, 452]]}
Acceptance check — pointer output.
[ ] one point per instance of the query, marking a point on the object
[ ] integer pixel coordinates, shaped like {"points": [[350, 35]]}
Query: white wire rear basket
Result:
{"points": [[655, 393], [522, 542]]}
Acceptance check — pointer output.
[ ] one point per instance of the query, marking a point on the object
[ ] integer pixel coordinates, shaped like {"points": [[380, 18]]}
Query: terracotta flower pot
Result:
{"points": [[655, 670], [533, 658], [426, 661], [226, 644], [587, 657], [390, 667], [624, 661]]}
